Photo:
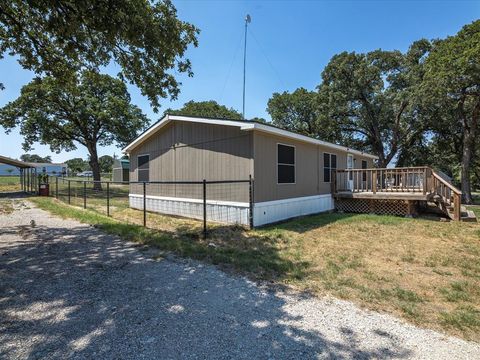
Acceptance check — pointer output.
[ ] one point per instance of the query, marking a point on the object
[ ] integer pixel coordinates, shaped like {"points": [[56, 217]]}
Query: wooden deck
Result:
{"points": [[384, 195], [399, 185]]}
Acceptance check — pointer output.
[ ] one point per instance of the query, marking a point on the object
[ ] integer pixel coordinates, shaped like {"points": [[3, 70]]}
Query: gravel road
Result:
{"points": [[67, 290]]}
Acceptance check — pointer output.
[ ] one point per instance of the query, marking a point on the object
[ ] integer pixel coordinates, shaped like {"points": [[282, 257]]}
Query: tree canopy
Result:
{"points": [[296, 111], [370, 99], [91, 110], [451, 98], [77, 165], [34, 158], [59, 38], [210, 109], [106, 163]]}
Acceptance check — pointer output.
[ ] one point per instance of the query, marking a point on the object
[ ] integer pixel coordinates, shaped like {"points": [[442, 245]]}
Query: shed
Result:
{"points": [[121, 170]]}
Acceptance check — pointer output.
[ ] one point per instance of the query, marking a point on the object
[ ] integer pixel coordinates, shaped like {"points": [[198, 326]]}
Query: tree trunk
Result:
{"points": [[94, 164], [467, 154]]}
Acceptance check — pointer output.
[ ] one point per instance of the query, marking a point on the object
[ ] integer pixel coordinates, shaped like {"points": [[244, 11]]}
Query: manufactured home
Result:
{"points": [[292, 173]]}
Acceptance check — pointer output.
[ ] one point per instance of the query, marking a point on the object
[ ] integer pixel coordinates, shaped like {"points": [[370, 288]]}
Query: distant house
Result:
{"points": [[292, 172], [53, 169], [121, 170]]}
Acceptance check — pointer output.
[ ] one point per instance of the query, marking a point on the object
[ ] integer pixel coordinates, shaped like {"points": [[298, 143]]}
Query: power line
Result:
{"points": [[230, 68], [268, 60]]}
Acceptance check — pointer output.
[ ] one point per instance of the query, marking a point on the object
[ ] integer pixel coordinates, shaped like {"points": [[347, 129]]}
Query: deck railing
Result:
{"points": [[411, 179], [449, 194], [423, 180]]}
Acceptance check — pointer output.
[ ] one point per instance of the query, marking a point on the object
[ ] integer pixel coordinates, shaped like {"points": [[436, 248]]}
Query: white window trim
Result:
{"points": [[138, 166], [330, 167], [294, 163]]}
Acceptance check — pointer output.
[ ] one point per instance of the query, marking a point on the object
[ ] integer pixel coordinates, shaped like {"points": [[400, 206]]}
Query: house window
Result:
{"points": [[144, 168], [329, 164], [285, 164], [364, 173]]}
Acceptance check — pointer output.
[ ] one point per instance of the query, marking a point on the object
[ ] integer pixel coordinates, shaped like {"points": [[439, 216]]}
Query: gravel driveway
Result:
{"points": [[67, 290]]}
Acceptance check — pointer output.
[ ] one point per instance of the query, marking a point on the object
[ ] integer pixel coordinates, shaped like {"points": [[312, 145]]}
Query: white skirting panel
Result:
{"points": [[235, 212], [220, 211], [273, 211]]}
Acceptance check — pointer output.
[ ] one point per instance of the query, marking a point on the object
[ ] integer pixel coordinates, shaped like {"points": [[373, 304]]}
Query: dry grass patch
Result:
{"points": [[6, 206], [425, 271], [9, 183]]}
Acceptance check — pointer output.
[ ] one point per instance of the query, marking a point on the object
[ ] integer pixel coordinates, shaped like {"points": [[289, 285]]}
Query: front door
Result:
{"points": [[350, 173]]}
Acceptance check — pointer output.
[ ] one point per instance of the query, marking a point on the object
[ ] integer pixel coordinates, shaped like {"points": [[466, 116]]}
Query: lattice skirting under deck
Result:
{"points": [[376, 206]]}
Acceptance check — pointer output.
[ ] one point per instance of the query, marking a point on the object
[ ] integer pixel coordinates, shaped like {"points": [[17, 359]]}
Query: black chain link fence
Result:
{"points": [[226, 202]]}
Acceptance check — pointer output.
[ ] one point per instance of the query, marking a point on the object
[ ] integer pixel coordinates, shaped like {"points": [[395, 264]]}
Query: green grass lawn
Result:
{"points": [[426, 271]]}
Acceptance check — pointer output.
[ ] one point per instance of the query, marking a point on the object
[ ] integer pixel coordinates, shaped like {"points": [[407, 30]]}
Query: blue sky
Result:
{"points": [[289, 44]]}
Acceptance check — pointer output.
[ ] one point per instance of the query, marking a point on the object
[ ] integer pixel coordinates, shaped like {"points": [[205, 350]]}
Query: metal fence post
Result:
{"points": [[144, 204], [108, 198], [56, 187], [204, 208], [250, 196], [84, 194], [68, 191]]}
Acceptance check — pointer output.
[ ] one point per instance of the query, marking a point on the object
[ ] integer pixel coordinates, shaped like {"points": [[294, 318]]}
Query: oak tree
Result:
{"points": [[210, 109], [59, 38], [92, 110], [34, 158], [370, 99], [451, 92]]}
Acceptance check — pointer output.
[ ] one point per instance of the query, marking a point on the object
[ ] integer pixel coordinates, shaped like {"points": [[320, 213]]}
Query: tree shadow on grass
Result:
{"points": [[310, 222], [80, 293]]}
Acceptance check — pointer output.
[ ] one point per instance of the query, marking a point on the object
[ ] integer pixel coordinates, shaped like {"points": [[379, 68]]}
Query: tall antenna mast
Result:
{"points": [[248, 20]]}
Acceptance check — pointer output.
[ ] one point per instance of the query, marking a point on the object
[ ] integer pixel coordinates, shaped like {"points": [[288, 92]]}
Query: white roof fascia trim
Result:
{"points": [[288, 134], [243, 126], [208, 121]]}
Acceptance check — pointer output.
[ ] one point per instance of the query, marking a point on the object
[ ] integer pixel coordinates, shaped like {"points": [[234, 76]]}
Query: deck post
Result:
{"points": [[424, 181], [334, 181], [456, 206], [374, 181], [411, 208]]}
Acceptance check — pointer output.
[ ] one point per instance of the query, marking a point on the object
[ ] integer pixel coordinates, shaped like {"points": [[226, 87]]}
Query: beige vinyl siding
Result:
{"points": [[186, 151], [308, 168], [265, 153]]}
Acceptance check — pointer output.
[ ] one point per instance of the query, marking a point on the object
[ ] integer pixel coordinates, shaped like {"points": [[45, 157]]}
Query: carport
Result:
{"points": [[28, 178]]}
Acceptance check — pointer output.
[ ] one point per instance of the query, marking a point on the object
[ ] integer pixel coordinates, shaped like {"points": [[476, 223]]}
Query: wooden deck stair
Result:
{"points": [[411, 185]]}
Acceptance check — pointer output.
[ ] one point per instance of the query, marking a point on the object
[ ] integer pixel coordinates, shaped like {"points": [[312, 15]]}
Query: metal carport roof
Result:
{"points": [[16, 163]]}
